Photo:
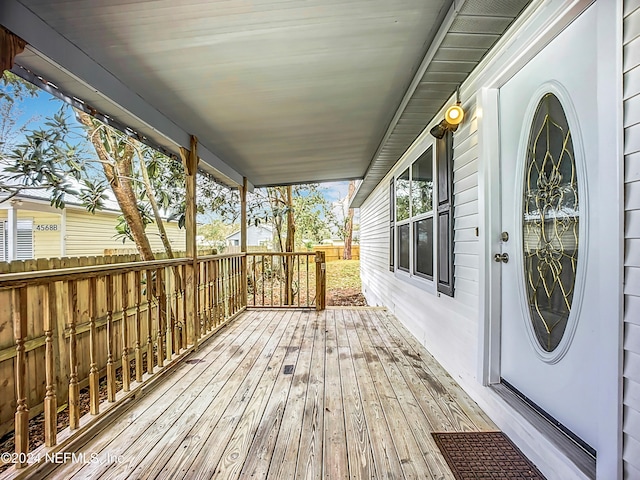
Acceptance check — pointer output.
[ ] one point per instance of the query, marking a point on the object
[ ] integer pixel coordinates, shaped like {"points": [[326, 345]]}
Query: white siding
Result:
{"points": [[446, 326], [631, 426]]}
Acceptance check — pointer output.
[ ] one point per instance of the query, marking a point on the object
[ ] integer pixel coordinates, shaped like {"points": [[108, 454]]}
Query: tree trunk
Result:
{"points": [[348, 228], [118, 170], [290, 246], [154, 206]]}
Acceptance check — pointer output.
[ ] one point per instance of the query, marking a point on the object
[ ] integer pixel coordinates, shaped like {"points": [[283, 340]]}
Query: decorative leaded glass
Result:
{"points": [[550, 222]]}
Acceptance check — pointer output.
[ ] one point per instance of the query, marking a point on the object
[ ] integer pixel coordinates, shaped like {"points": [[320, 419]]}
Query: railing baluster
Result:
{"points": [[281, 276], [272, 276], [149, 318], [175, 307], [298, 260], [137, 279], [208, 309], [216, 291], [50, 398], [262, 279], [308, 284], [124, 329], [212, 298], [236, 284], [254, 279], [74, 387], [225, 287], [111, 367], [94, 373], [210, 287], [170, 325], [160, 337], [183, 297], [19, 303], [201, 282]]}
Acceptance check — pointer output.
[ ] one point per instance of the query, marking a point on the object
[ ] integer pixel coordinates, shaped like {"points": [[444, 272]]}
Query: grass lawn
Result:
{"points": [[343, 274], [343, 283]]}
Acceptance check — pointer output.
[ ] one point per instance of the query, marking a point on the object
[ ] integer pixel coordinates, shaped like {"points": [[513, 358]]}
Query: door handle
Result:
{"points": [[501, 257]]}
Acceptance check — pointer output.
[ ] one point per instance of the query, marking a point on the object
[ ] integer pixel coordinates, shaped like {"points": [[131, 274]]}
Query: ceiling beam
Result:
{"points": [[56, 49]]}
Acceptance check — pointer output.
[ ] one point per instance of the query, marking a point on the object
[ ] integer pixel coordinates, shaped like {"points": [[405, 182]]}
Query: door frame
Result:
{"points": [[544, 23]]}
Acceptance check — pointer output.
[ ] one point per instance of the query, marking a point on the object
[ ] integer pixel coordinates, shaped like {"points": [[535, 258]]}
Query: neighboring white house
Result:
{"points": [[257, 236], [511, 248]]}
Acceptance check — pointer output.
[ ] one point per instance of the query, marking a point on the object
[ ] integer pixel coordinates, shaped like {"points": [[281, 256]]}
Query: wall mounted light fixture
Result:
{"points": [[454, 114], [452, 118]]}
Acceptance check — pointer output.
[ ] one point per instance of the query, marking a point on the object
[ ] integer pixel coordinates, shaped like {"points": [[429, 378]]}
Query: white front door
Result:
{"points": [[548, 125]]}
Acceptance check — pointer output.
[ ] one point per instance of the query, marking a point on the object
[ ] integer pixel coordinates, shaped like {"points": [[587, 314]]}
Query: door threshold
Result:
{"points": [[582, 456]]}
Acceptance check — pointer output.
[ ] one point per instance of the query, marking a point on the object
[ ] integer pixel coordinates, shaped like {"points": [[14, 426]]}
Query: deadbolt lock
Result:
{"points": [[504, 236], [501, 257]]}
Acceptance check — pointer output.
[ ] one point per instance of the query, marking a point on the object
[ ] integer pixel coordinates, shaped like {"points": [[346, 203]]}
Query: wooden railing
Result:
{"points": [[103, 332], [286, 280]]}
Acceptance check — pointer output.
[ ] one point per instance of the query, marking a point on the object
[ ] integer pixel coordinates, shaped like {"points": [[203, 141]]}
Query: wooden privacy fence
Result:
{"points": [[17, 266], [334, 253], [286, 280], [107, 330]]}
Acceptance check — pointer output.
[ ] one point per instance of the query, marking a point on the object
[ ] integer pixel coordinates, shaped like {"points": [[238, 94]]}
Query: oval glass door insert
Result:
{"points": [[550, 222]]}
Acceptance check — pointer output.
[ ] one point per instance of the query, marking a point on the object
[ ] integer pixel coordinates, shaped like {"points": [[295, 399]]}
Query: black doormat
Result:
{"points": [[485, 455]]}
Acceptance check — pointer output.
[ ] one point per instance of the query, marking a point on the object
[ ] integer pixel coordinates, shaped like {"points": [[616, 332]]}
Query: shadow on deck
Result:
{"points": [[341, 393]]}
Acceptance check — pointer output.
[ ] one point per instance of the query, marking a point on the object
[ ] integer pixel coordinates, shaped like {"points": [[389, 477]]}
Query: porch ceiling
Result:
{"points": [[279, 91]]}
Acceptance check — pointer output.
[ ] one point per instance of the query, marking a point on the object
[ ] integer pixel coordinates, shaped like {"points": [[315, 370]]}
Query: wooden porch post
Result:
{"points": [[192, 322], [243, 238]]}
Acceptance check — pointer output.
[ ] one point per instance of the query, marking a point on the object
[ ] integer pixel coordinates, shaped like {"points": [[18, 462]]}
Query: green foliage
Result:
{"points": [[123, 231], [312, 212], [15, 89], [92, 195]]}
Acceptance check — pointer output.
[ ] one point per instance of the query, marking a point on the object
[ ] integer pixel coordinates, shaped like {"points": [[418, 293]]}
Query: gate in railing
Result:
{"points": [[286, 280]]}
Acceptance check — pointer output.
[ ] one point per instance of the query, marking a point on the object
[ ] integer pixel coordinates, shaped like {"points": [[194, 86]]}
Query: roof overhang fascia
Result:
{"points": [[50, 47], [370, 179], [382, 164]]}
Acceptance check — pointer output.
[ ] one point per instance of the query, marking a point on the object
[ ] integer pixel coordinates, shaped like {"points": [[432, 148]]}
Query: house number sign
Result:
{"points": [[47, 227]]}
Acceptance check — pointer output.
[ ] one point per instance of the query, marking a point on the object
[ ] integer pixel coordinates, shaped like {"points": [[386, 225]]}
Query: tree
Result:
{"points": [[215, 233], [296, 213], [116, 153], [85, 159], [348, 229]]}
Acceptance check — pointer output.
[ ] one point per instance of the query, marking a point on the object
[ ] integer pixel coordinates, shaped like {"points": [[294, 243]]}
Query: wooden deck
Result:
{"points": [[342, 393]]}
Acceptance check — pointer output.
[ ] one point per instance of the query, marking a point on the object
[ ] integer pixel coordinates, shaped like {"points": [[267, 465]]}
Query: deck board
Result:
{"points": [[361, 402]]}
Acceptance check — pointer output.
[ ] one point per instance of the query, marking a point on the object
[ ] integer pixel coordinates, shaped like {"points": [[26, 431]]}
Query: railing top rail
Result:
{"points": [[222, 255], [39, 277], [282, 254]]}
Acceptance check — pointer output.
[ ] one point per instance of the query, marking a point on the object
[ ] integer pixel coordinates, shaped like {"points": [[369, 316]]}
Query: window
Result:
{"points": [[414, 217], [417, 218], [25, 240]]}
